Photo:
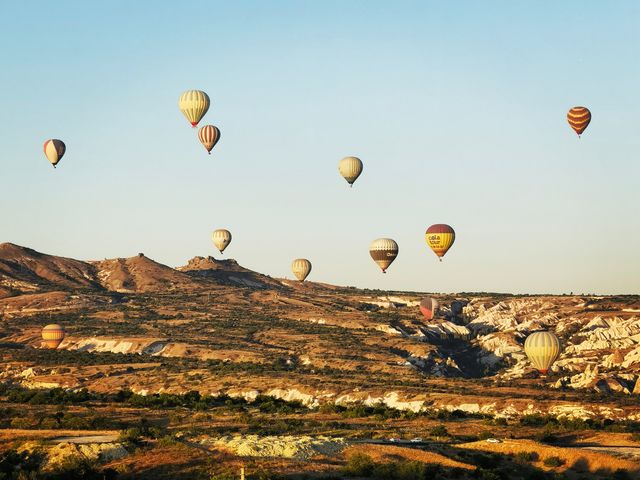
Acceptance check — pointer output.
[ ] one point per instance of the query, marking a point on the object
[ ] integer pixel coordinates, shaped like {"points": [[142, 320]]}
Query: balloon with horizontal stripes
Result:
{"points": [[579, 118], [542, 349], [194, 104], [52, 335], [383, 251], [429, 307], [301, 268], [209, 136], [54, 150], [440, 237], [221, 239], [350, 168]]}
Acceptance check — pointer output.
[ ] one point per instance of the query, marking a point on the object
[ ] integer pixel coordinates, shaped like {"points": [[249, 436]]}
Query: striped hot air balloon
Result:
{"points": [[440, 237], [209, 136], [221, 238], [383, 251], [194, 104], [429, 307], [579, 118], [52, 335], [350, 168], [54, 150], [542, 348], [301, 268]]}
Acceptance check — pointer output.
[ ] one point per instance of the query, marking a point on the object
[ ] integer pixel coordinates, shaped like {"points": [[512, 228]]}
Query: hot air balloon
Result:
{"points": [[579, 118], [194, 104], [209, 136], [350, 168], [301, 267], [52, 335], [542, 348], [383, 251], [440, 237], [54, 150], [429, 307], [221, 239]]}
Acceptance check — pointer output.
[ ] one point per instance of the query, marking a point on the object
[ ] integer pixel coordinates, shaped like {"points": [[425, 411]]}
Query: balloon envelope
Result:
{"points": [[52, 335], [221, 239], [301, 268], [579, 118], [54, 150], [383, 251], [440, 237], [429, 307], [542, 349], [209, 136], [194, 104], [350, 168]]}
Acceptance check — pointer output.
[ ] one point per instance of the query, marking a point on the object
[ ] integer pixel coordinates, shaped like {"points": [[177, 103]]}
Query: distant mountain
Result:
{"points": [[24, 270]]}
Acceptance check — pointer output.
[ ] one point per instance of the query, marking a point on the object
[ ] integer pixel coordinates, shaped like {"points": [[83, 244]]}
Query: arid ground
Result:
{"points": [[198, 371]]}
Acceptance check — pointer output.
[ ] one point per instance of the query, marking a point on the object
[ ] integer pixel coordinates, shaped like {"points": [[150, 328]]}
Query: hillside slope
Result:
{"points": [[25, 270], [140, 274]]}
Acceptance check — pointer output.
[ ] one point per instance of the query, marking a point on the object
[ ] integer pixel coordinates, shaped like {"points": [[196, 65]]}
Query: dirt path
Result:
{"points": [[86, 439], [619, 451]]}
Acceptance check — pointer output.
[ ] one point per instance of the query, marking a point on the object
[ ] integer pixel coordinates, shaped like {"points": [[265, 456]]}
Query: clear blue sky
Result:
{"points": [[456, 108]]}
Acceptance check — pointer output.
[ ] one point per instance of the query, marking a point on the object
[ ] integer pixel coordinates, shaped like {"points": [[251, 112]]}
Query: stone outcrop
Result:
{"points": [[286, 446]]}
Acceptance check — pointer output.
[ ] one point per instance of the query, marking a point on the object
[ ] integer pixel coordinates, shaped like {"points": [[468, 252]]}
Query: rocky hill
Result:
{"points": [[24, 270], [227, 272], [140, 274], [600, 337]]}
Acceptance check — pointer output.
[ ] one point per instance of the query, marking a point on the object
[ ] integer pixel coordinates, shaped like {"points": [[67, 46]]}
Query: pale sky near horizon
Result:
{"points": [[457, 109]]}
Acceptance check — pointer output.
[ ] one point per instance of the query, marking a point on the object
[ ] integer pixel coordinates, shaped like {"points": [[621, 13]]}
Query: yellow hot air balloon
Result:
{"points": [[209, 136], [52, 335], [194, 104], [440, 237], [542, 348], [383, 251], [350, 168], [301, 268], [54, 150], [221, 239]]}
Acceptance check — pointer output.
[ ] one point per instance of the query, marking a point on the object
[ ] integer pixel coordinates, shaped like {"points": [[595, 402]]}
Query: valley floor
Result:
{"points": [[278, 439]]}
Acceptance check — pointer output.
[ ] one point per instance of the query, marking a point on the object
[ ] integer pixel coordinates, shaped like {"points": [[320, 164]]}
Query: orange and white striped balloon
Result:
{"points": [[52, 335], [54, 150], [579, 118], [209, 136]]}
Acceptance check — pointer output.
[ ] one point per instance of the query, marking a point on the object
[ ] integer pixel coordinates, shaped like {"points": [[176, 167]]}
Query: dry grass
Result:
{"points": [[388, 453], [13, 434], [165, 463], [578, 459], [609, 439], [193, 461]]}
